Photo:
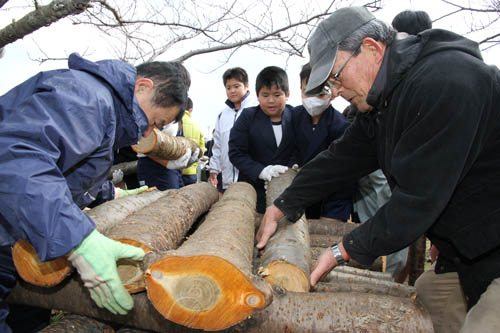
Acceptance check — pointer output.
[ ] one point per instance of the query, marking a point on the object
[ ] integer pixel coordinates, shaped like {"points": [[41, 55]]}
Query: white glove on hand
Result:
{"points": [[271, 171], [194, 157], [117, 176], [181, 162]]}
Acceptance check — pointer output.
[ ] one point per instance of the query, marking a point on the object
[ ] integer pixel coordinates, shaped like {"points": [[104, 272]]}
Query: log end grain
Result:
{"points": [[285, 275], [146, 144], [34, 271], [205, 292], [131, 272]]}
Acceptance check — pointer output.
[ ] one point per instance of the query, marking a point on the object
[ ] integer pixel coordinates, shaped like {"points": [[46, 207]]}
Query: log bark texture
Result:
{"points": [[165, 146], [286, 259], [207, 282], [128, 168], [105, 216], [77, 324], [325, 227], [397, 290], [324, 241], [290, 312], [416, 259]]}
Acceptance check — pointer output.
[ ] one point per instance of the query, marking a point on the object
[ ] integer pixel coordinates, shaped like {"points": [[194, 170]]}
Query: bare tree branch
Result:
{"points": [[40, 17]]}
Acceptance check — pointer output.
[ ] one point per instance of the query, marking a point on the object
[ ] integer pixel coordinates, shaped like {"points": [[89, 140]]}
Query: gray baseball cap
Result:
{"points": [[324, 42]]}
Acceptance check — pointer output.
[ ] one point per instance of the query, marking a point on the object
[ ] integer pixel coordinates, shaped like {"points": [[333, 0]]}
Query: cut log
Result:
{"points": [[324, 241], [335, 276], [77, 324], [325, 227], [207, 283], [105, 216], [376, 266], [397, 290], [128, 168], [165, 146], [286, 259], [416, 259], [160, 226], [364, 272], [290, 312]]}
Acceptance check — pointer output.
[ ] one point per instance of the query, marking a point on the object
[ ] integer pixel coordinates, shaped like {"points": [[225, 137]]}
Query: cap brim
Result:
{"points": [[320, 72]]}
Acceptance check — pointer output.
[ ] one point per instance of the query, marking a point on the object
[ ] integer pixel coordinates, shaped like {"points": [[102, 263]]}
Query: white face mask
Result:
{"points": [[315, 106]]}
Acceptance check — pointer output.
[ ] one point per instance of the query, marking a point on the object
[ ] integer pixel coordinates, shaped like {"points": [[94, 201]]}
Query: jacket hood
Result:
{"points": [[120, 77], [407, 50]]}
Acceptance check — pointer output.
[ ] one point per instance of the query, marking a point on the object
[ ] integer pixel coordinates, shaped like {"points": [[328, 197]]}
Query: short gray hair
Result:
{"points": [[376, 29]]}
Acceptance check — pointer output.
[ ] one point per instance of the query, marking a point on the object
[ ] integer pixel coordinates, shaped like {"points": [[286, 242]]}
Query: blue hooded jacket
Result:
{"points": [[58, 131]]}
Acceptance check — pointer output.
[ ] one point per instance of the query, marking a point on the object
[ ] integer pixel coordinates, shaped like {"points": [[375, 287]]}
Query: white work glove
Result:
{"points": [[271, 171], [194, 157], [117, 176], [181, 162], [95, 260]]}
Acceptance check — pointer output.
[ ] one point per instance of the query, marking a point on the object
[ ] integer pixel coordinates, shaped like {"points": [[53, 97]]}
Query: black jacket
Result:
{"points": [[435, 132]]}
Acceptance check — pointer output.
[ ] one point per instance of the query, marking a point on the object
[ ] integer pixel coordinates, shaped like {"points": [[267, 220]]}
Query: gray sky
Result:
{"points": [[207, 90]]}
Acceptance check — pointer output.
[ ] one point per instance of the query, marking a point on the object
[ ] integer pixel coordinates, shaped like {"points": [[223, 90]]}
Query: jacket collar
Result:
{"points": [[231, 104]]}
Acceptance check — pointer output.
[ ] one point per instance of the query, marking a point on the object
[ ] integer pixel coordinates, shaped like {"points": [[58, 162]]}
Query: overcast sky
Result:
{"points": [[207, 90]]}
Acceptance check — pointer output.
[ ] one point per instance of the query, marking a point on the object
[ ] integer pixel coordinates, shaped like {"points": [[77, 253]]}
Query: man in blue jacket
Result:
{"points": [[58, 131], [430, 119]]}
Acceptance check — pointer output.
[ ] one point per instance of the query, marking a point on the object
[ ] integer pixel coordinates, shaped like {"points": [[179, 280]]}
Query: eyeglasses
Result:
{"points": [[336, 77]]}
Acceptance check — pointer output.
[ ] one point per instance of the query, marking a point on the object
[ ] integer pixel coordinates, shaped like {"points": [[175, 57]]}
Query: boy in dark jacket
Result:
{"points": [[260, 143]]}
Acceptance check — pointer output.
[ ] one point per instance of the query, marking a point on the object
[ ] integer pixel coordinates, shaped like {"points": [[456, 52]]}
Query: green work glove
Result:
{"points": [[119, 193], [95, 260]]}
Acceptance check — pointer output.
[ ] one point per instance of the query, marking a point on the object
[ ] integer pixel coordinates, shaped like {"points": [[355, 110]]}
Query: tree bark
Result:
{"points": [[364, 272], [332, 228], [286, 259], [397, 290], [77, 324], [105, 216], [416, 259], [128, 168], [289, 312], [41, 17], [165, 146], [207, 283], [324, 241]]}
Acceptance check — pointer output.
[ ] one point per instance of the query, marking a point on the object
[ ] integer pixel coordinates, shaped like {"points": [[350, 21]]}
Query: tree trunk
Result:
{"points": [[165, 146], [416, 259], [325, 227], [324, 241], [339, 312], [397, 290], [286, 259], [105, 216], [290, 312], [207, 283], [41, 17], [128, 168], [364, 272], [77, 324], [377, 265]]}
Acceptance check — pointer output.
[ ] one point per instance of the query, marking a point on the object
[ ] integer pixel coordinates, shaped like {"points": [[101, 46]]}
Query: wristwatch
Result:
{"points": [[337, 254]]}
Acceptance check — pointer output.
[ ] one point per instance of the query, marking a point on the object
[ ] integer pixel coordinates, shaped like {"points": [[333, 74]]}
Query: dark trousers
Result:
{"points": [[20, 318], [189, 179], [154, 174]]}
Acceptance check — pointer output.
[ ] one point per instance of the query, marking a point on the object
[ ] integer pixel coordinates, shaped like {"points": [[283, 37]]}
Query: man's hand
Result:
{"points": [[271, 171], [194, 156], [119, 193], [213, 179], [95, 260], [326, 262], [181, 162], [268, 225]]}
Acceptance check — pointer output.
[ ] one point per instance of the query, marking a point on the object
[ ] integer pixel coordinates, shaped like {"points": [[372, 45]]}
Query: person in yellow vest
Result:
{"points": [[193, 131]]}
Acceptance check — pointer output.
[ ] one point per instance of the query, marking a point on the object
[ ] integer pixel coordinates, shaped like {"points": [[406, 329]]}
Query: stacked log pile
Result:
{"points": [[207, 282]]}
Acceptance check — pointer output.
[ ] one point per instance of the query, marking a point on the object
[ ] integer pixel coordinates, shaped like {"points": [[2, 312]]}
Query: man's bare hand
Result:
{"points": [[213, 179], [326, 262], [268, 225]]}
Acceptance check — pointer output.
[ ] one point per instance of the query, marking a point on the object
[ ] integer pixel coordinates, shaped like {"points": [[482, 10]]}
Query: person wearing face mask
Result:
{"points": [[316, 124]]}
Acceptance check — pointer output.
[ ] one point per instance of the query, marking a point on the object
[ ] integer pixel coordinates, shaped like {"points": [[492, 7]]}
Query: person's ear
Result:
{"points": [[373, 48], [142, 85]]}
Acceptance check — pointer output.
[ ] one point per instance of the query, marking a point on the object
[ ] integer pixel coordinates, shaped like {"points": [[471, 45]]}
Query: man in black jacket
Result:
{"points": [[430, 121]]}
